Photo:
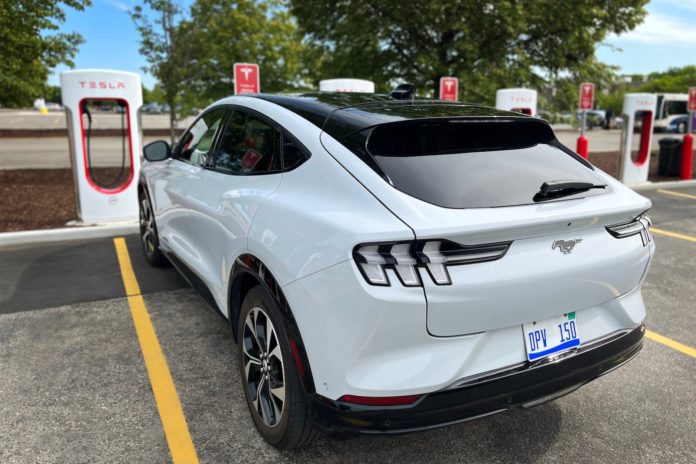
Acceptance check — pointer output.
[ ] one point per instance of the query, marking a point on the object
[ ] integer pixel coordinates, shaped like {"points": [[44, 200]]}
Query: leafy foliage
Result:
{"points": [[487, 45], [676, 80], [165, 46], [193, 58], [229, 31], [28, 48]]}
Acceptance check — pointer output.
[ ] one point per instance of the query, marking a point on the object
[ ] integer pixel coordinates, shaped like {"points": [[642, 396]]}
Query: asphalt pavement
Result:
{"points": [[75, 388]]}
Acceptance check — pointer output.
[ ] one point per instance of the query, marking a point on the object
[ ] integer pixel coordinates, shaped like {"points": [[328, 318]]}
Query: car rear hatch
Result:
{"points": [[492, 249]]}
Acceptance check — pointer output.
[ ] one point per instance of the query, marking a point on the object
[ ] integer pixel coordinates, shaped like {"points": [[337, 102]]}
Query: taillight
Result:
{"points": [[640, 225], [404, 258]]}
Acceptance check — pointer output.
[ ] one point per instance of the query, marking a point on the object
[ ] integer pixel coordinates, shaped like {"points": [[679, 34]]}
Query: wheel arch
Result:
{"points": [[249, 271]]}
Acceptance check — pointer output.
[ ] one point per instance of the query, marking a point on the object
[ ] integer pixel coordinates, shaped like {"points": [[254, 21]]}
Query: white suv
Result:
{"points": [[389, 264]]}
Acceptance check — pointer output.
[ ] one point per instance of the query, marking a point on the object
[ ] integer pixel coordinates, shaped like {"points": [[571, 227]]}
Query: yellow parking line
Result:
{"points": [[675, 345], [172, 416], [688, 238], [677, 194]]}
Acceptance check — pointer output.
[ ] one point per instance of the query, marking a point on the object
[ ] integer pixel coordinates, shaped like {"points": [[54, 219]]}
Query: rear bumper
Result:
{"points": [[524, 386]]}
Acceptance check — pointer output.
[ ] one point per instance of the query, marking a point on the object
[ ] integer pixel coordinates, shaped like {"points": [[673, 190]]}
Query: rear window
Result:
{"points": [[471, 163]]}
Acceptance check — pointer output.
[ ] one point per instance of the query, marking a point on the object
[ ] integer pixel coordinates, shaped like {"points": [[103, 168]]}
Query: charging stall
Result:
{"points": [[105, 168], [638, 114], [519, 100], [347, 85]]}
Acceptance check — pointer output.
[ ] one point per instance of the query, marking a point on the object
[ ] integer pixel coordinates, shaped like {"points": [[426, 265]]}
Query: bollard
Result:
{"points": [[687, 157], [582, 146]]}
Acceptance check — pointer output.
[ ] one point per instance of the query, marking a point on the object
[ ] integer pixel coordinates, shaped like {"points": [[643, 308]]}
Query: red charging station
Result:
{"points": [[586, 103], [519, 100], [638, 114], [106, 186], [688, 145]]}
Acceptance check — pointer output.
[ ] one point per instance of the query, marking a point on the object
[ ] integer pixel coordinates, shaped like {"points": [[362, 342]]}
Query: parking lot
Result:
{"points": [[86, 378]]}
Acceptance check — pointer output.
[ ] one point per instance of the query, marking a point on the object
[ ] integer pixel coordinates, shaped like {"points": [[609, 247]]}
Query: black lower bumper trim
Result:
{"points": [[528, 387]]}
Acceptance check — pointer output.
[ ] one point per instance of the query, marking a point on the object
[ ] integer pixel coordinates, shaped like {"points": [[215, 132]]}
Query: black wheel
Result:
{"points": [[148, 234], [276, 400], [681, 128]]}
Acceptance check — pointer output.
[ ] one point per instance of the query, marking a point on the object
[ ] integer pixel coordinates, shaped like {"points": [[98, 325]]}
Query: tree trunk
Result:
{"points": [[172, 122]]}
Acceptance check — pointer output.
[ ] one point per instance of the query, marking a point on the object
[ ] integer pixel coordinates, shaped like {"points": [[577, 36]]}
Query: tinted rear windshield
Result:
{"points": [[471, 163]]}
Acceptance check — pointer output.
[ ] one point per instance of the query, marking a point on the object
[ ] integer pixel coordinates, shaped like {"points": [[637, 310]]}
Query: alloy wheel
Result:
{"points": [[147, 227], [263, 366]]}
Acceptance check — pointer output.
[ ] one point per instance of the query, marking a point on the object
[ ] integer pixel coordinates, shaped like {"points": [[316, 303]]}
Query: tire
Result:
{"points": [[281, 412], [149, 240], [681, 128]]}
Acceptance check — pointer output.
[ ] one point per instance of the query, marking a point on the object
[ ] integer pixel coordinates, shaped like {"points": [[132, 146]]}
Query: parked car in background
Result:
{"points": [[152, 108], [594, 119]]}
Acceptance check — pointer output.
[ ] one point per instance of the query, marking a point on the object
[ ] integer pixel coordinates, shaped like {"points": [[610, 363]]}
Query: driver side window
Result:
{"points": [[196, 145]]}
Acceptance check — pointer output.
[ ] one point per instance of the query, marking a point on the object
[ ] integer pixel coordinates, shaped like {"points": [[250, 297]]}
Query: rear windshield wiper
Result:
{"points": [[558, 188]]}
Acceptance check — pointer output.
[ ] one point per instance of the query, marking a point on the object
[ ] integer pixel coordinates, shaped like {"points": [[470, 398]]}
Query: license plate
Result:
{"points": [[551, 336]]}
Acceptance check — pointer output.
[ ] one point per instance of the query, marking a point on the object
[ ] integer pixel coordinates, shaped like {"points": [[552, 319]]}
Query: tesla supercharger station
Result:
{"points": [[347, 85], [635, 161], [93, 98], [520, 100]]}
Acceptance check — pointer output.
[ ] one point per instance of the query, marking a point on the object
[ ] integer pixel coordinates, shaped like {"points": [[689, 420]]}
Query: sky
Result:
{"points": [[667, 38]]}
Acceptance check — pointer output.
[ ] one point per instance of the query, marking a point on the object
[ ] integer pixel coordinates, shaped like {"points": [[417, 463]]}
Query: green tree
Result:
{"points": [[229, 31], [486, 44], [29, 49], [674, 80], [165, 44]]}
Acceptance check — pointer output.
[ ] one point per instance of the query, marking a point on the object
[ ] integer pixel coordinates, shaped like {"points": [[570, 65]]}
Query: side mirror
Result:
{"points": [[157, 151]]}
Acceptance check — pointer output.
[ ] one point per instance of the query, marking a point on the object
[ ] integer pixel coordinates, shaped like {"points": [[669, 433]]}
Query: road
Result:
{"points": [[28, 119], [53, 152], [75, 387]]}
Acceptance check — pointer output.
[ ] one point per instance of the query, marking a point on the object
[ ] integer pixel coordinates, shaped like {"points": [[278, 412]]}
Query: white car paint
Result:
{"points": [[371, 340]]}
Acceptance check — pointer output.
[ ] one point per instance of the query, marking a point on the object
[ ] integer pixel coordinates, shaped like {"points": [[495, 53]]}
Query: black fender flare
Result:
{"points": [[248, 270]]}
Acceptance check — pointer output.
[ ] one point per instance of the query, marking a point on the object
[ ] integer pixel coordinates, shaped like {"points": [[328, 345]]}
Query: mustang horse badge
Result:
{"points": [[566, 246]]}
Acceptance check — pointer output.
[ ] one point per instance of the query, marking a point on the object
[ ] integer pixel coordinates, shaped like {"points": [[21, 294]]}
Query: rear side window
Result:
{"points": [[293, 154], [248, 146], [474, 163]]}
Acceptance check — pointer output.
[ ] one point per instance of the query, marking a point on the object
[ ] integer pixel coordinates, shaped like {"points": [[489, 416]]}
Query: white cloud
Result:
{"points": [[661, 29], [118, 5], [688, 5]]}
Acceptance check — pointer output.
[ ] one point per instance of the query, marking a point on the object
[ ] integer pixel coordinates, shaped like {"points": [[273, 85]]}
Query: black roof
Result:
{"points": [[341, 114]]}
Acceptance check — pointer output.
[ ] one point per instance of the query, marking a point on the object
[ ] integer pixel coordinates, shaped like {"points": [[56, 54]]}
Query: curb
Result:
{"points": [[11, 239], [665, 184]]}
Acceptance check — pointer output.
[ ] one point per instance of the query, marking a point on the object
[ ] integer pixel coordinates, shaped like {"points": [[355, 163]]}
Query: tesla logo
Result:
{"points": [[246, 72], [246, 78], [566, 246], [102, 85], [449, 88], [586, 96]]}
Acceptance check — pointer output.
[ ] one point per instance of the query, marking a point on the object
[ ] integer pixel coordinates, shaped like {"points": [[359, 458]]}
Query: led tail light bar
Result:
{"points": [[434, 255], [640, 225]]}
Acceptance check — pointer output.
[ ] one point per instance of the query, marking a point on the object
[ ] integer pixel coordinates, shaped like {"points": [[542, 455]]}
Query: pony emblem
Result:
{"points": [[566, 246]]}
